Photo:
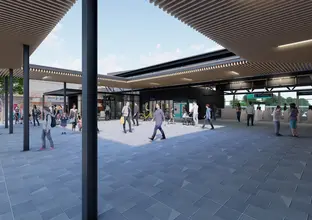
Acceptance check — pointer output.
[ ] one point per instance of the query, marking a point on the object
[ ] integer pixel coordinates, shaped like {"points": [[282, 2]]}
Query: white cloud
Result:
{"points": [[158, 46], [178, 50], [197, 47], [215, 48], [53, 40], [107, 64]]}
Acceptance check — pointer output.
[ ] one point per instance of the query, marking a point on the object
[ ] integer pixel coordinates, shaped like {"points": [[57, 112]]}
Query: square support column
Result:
{"points": [[6, 102], [64, 102], [42, 112], [11, 101], [89, 111], [26, 97]]}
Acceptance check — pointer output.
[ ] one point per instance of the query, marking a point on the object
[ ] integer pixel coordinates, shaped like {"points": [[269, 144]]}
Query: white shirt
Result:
{"points": [[250, 110], [195, 109], [277, 115]]}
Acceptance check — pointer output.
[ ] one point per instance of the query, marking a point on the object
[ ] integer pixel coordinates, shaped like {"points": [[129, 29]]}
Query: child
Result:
{"points": [[64, 122], [79, 123], [276, 119]]}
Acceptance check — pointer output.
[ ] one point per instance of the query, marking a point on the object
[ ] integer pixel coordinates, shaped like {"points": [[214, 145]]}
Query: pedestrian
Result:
{"points": [[35, 115], [250, 110], [73, 117], [126, 114], [159, 118], [79, 123], [238, 112], [47, 125], [195, 113], [277, 113], [64, 120], [135, 114], [208, 117], [293, 118]]}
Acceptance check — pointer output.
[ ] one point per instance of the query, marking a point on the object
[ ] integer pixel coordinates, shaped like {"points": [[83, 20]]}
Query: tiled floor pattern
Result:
{"points": [[230, 173]]}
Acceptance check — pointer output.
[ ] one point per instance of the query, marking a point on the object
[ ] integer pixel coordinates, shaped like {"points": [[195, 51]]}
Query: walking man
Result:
{"points": [[250, 110], [159, 118], [195, 113], [46, 129], [135, 114], [208, 117], [126, 113]]}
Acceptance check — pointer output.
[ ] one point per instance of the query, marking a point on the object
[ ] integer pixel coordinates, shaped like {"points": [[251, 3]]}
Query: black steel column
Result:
{"points": [[26, 97], [6, 102], [42, 112], [64, 108], [11, 101], [89, 111]]}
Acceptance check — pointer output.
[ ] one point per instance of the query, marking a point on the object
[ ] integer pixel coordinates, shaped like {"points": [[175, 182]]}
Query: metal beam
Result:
{"points": [[6, 102], [26, 96], [11, 101], [64, 104], [89, 111], [43, 103]]}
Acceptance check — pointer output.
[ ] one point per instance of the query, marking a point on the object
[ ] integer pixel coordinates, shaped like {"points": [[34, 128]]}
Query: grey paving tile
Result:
{"points": [[227, 213], [6, 216], [23, 208], [135, 213], [162, 212], [51, 213], [195, 181], [34, 215], [112, 214]]}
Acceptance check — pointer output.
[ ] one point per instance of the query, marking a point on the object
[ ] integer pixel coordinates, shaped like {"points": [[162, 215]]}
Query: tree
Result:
{"points": [[17, 85]]}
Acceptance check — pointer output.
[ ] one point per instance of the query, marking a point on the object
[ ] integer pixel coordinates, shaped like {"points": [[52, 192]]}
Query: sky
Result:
{"points": [[131, 35]]}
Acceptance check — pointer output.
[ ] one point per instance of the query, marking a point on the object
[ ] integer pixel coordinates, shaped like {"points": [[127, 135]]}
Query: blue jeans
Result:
{"points": [[158, 127]]}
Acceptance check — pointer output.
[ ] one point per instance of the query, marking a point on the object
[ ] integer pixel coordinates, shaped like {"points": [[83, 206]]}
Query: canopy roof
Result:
{"points": [[27, 22], [253, 29], [229, 68]]}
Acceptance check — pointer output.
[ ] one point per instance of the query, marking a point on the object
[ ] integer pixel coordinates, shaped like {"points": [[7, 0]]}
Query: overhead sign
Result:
{"points": [[259, 95]]}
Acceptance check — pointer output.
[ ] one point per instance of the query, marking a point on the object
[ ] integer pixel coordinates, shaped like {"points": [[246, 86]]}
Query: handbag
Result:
{"points": [[122, 120]]}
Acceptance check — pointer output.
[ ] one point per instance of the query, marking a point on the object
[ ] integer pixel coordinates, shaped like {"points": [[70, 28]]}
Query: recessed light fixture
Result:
{"points": [[186, 79], [155, 84], [234, 73], [298, 43], [46, 77]]}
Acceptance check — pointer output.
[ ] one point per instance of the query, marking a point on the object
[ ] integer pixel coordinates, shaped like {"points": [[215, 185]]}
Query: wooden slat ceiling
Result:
{"points": [[62, 75], [252, 29], [201, 73], [27, 22]]}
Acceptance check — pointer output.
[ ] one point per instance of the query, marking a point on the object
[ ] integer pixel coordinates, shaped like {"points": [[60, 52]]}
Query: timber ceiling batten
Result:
{"points": [[27, 22], [252, 29]]}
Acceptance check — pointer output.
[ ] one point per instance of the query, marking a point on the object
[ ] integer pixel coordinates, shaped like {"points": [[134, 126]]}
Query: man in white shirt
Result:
{"points": [[126, 113], [195, 113], [250, 110]]}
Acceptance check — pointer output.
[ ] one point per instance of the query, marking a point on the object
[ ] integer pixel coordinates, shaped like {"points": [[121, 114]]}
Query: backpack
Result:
{"points": [[53, 121]]}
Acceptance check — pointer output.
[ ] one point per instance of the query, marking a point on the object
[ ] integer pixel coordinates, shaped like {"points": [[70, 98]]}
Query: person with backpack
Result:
{"points": [[48, 123]]}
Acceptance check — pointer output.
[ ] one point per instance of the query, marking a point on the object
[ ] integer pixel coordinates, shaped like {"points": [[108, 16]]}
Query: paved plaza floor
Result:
{"points": [[232, 172]]}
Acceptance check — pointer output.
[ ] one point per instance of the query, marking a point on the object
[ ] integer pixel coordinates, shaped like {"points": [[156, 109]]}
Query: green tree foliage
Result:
{"points": [[17, 86], [272, 101]]}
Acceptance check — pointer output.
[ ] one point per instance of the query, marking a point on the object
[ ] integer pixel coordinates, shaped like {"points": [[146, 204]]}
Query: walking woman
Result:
{"points": [[238, 112], [293, 118], [35, 115], [73, 117]]}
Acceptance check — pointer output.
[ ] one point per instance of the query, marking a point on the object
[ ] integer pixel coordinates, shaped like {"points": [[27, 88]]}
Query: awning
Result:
{"points": [[251, 29], [27, 22]]}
